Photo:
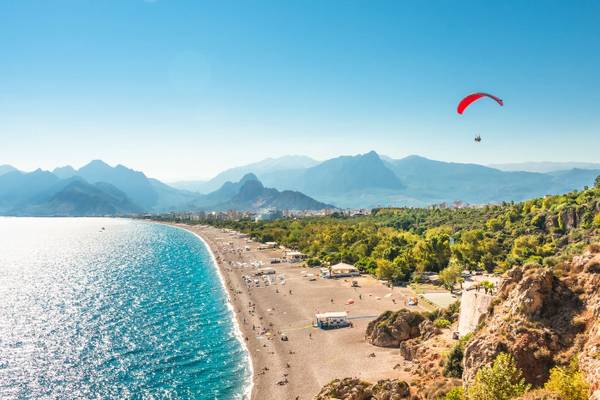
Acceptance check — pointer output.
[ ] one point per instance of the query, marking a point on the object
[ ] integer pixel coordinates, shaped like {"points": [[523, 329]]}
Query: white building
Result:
{"points": [[294, 256], [330, 320]]}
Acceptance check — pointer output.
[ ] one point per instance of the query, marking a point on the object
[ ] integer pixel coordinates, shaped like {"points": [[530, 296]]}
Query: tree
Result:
{"points": [[597, 182], [450, 276], [503, 380], [568, 382]]}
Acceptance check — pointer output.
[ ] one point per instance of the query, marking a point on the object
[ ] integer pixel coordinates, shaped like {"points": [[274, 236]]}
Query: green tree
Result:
{"points": [[597, 182], [451, 275], [568, 382], [503, 380]]}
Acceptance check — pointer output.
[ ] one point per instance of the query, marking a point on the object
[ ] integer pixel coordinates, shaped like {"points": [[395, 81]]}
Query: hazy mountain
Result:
{"points": [[76, 197], [222, 195], [4, 169], [17, 187], [264, 167], [252, 195], [545, 166], [65, 172], [370, 180], [133, 183], [345, 174], [28, 193]]}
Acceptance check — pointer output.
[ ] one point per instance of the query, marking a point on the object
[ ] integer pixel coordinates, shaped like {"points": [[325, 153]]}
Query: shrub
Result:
{"points": [[503, 380], [568, 382], [441, 323], [453, 365], [455, 394]]}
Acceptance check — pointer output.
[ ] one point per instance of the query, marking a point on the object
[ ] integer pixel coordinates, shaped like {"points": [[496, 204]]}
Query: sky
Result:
{"points": [[184, 89]]}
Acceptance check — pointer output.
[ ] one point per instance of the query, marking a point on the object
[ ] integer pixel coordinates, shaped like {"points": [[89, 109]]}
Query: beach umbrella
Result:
{"points": [[350, 301]]}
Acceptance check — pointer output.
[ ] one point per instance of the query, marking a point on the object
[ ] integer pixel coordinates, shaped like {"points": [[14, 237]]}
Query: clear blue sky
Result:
{"points": [[184, 89]]}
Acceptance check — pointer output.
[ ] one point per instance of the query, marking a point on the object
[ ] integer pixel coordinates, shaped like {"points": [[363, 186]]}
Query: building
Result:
{"points": [[294, 256], [343, 270], [332, 320]]}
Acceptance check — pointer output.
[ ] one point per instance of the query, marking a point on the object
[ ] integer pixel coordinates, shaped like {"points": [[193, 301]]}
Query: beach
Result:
{"points": [[298, 367]]}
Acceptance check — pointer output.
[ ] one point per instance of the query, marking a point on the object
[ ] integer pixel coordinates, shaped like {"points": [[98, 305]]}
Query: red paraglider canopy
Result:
{"points": [[466, 102]]}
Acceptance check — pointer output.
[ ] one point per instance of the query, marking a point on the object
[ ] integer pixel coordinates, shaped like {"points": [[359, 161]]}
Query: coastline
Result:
{"points": [[296, 368], [247, 394]]}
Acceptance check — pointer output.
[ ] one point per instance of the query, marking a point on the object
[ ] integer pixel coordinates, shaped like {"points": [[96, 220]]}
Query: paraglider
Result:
{"points": [[470, 99]]}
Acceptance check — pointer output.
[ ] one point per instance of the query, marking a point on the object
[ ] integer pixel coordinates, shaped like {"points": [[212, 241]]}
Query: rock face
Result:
{"points": [[543, 320], [391, 328], [586, 275], [355, 389]]}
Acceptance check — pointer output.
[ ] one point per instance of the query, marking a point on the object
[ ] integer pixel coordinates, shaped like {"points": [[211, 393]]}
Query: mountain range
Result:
{"points": [[99, 189], [289, 182], [370, 180]]}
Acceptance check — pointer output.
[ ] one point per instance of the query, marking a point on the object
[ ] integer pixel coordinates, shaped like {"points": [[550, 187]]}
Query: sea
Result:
{"points": [[107, 308]]}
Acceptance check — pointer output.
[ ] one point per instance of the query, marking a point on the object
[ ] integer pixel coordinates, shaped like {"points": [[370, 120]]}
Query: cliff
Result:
{"points": [[543, 318]]}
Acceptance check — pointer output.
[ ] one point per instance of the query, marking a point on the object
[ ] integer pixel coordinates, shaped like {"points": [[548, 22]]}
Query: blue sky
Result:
{"points": [[183, 89]]}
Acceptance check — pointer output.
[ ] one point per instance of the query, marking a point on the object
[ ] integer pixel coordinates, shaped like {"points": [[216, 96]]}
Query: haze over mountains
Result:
{"points": [[99, 189], [291, 182]]}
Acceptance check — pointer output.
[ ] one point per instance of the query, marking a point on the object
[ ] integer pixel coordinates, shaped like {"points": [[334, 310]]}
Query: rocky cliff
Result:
{"points": [[355, 389], [543, 318]]}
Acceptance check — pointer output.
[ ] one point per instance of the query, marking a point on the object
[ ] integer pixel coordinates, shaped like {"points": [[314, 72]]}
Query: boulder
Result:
{"points": [[392, 328]]}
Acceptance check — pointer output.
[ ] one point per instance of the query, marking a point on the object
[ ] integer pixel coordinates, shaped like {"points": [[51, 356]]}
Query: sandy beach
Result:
{"points": [[311, 357]]}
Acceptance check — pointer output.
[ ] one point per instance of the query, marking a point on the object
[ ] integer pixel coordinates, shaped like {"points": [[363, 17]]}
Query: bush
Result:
{"points": [[568, 382], [453, 365], [313, 262], [455, 394], [503, 380], [441, 323]]}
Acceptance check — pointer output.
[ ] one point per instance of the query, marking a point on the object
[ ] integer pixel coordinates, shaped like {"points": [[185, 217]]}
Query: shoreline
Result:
{"points": [[248, 391], [296, 368]]}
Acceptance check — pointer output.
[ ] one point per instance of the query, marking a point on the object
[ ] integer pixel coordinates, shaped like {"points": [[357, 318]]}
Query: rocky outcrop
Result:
{"points": [[355, 389], [391, 328], [543, 318], [585, 275]]}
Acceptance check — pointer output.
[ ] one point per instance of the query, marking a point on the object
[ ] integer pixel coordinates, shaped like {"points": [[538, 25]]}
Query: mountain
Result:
{"points": [[262, 168], [4, 169], [225, 193], [346, 174], [252, 195], [76, 197], [133, 183], [545, 166], [64, 172], [371, 180], [95, 188], [150, 194], [17, 187]]}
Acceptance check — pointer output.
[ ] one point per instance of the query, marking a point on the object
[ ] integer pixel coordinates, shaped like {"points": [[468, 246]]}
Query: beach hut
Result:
{"points": [[294, 256], [332, 320], [265, 271], [343, 270]]}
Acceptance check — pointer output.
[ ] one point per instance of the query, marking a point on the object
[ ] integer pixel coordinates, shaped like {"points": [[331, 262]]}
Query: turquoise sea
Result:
{"points": [[94, 308]]}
